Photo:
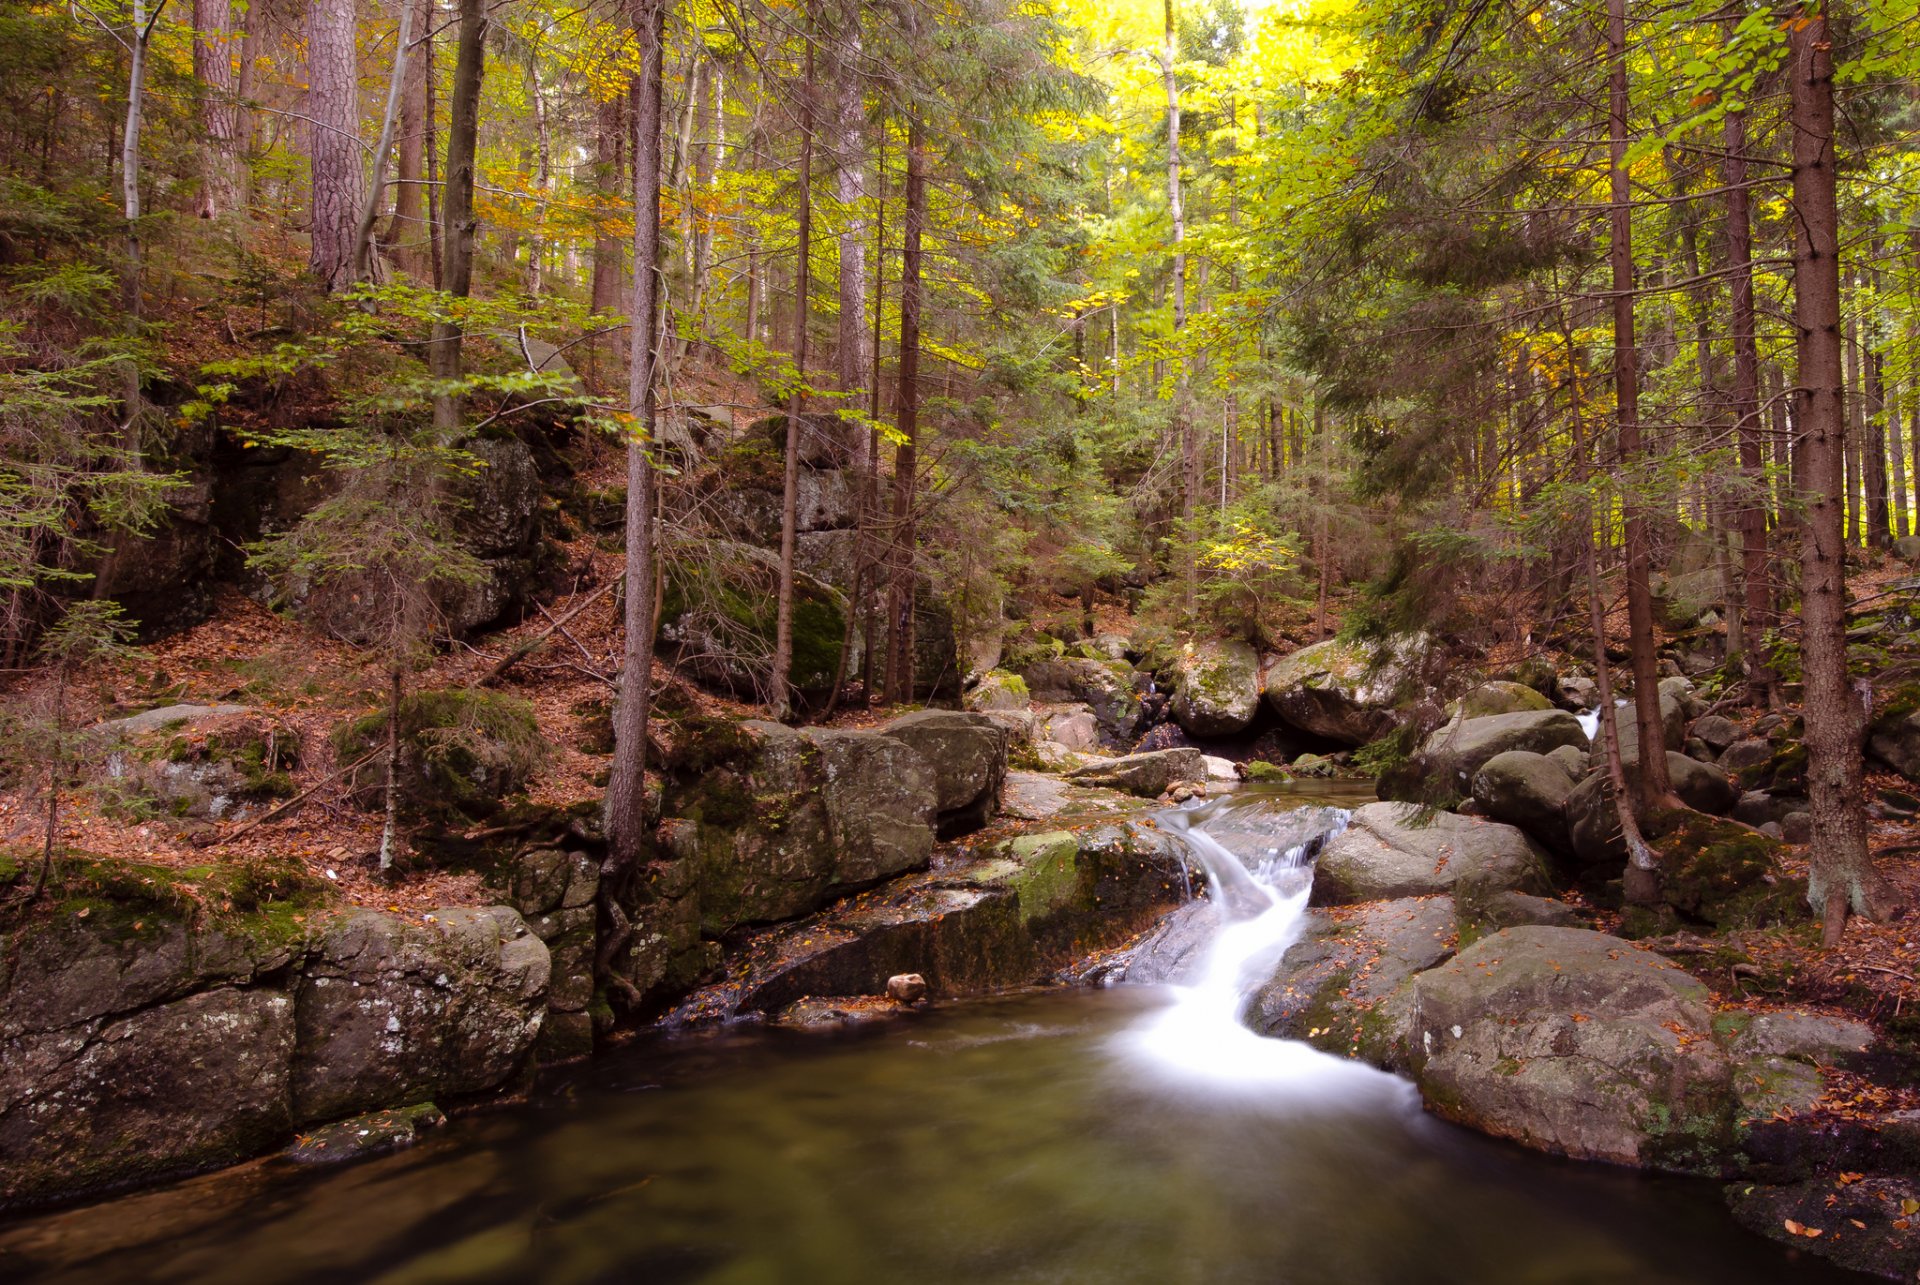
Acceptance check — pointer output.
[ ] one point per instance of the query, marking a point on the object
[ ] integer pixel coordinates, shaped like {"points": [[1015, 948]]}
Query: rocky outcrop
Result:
{"points": [[1148, 775], [968, 755], [1105, 687], [1498, 697], [1574, 1042], [1347, 691], [205, 762], [133, 1046], [718, 620], [1216, 689], [1528, 790], [1389, 851]]}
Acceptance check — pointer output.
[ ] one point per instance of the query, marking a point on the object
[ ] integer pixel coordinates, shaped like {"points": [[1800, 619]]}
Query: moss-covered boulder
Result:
{"points": [[1449, 758], [1347, 691], [999, 689], [463, 752], [1575, 1042], [209, 762], [1528, 790], [1724, 873], [1106, 687], [968, 755], [1216, 689], [718, 614], [1893, 736], [1498, 697], [1148, 775], [1593, 823], [800, 816]]}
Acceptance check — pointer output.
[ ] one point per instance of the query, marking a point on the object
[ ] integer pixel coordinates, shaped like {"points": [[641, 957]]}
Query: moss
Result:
{"points": [[702, 743], [1049, 875], [462, 751], [1783, 773], [739, 596], [1722, 872], [1261, 770], [720, 798]]}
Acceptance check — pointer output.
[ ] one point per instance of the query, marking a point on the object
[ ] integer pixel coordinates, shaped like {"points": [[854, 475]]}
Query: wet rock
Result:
{"points": [[1876, 1245], [373, 1134], [1147, 775], [797, 817], [1337, 985], [1497, 697], [1574, 1042], [1452, 755], [968, 755], [1578, 692], [1217, 689], [906, 988], [1347, 691], [1528, 790], [1172, 954], [1389, 851], [389, 1011]]}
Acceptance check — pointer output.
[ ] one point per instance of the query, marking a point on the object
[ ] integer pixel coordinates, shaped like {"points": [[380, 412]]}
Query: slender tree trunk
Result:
{"points": [[542, 175], [458, 222], [1841, 875], [1856, 533], [607, 266], [780, 697], [1656, 790], [392, 790], [363, 260], [1752, 516], [626, 782], [900, 589], [1185, 439], [220, 187], [1897, 456], [336, 169], [435, 257], [850, 190], [408, 233]]}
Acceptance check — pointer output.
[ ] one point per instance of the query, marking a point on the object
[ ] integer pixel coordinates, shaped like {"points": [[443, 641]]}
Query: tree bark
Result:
{"points": [[1183, 432], [605, 290], [221, 187], [1752, 516], [1655, 788], [851, 357], [1841, 875], [780, 695], [626, 782], [336, 172], [457, 219], [408, 232], [363, 261], [900, 589]]}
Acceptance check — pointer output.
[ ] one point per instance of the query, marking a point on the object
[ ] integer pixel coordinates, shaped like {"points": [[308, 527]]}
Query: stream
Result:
{"points": [[1130, 1134]]}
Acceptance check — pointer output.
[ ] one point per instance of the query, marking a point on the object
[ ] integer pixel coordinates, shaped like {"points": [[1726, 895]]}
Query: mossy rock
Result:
{"points": [[719, 613], [1724, 873], [462, 753]]}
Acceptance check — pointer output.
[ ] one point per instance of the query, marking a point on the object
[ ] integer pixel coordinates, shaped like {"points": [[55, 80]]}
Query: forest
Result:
{"points": [[550, 546]]}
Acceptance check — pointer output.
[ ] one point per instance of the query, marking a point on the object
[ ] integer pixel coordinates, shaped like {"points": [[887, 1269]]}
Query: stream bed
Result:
{"points": [[1131, 1134]]}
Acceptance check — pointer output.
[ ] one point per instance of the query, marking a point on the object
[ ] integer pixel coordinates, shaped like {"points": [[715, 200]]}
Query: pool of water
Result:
{"points": [[1012, 1140]]}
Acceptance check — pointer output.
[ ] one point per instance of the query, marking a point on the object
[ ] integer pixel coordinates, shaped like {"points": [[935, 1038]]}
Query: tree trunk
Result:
{"points": [[626, 783], [606, 246], [850, 190], [900, 588], [213, 66], [457, 219], [392, 790], [1841, 876], [1752, 515], [336, 171], [363, 260], [1185, 439], [408, 232], [780, 695], [1656, 790]]}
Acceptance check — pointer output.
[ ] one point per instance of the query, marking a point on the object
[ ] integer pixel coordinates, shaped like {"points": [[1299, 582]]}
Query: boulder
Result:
{"points": [[786, 820], [463, 752], [1347, 691], [998, 690], [1593, 825], [1572, 760], [211, 762], [1388, 850], [1673, 722], [825, 440], [717, 621], [1702, 785], [1574, 1042], [1075, 728], [1907, 548], [499, 521], [1528, 790], [968, 755], [1148, 775], [1103, 686], [1893, 736], [1454, 753], [1716, 731], [555, 890], [1497, 697], [1216, 688], [1745, 754]]}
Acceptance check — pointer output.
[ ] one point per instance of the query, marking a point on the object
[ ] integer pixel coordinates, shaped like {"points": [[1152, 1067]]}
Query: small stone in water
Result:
{"points": [[907, 988]]}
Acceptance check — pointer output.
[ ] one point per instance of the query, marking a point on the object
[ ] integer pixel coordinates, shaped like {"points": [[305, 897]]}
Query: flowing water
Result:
{"points": [[1134, 1134]]}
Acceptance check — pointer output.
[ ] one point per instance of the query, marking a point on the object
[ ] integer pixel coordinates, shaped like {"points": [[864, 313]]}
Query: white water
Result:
{"points": [[1262, 900], [1590, 721]]}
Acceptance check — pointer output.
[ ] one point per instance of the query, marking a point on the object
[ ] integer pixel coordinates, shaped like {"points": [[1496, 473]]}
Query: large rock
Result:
{"points": [[1673, 726], [1148, 775], [1389, 850], [1347, 691], [1498, 697], [389, 1012], [1593, 824], [1103, 686], [718, 618], [1574, 1042], [1217, 688], [788, 819], [203, 761], [968, 754], [1455, 752], [1528, 790], [1893, 737], [998, 690]]}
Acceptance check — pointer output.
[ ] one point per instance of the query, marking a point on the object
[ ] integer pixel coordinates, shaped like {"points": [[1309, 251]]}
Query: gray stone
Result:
{"points": [[968, 755], [1744, 754], [1076, 729], [1147, 775], [1105, 687], [1811, 1037], [1797, 827], [1455, 752], [1718, 732], [169, 718], [1574, 1042], [1702, 786], [1572, 760], [1386, 852], [998, 689], [1217, 688], [1347, 691], [1497, 697], [1528, 790], [373, 1134]]}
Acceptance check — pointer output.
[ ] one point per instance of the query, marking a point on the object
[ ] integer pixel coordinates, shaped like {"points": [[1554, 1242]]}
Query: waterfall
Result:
{"points": [[1590, 721], [1259, 895]]}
